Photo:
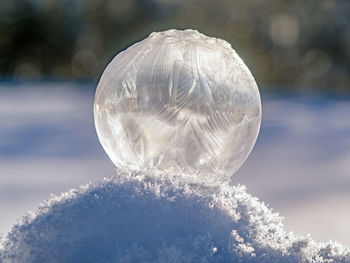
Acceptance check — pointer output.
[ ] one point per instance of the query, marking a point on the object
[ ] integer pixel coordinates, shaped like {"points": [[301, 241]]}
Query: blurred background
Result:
{"points": [[52, 53], [295, 44]]}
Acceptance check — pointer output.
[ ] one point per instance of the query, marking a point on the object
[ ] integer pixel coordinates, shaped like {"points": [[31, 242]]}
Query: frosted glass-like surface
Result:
{"points": [[179, 102]]}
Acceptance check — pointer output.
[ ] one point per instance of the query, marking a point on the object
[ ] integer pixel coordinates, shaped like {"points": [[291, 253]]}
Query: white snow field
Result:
{"points": [[139, 217]]}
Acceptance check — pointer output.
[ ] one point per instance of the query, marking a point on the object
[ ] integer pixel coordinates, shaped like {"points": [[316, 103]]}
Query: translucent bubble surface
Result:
{"points": [[178, 102]]}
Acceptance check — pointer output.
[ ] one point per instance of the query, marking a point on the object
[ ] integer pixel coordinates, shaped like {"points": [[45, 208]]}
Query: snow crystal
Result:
{"points": [[135, 217]]}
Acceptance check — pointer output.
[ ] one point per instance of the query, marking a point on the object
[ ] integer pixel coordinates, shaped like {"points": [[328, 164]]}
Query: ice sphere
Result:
{"points": [[178, 102]]}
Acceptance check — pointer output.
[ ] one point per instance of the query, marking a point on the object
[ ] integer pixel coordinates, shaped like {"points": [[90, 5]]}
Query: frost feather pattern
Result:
{"points": [[178, 102], [139, 217]]}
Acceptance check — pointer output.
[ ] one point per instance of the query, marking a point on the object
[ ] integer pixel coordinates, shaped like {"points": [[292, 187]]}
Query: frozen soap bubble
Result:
{"points": [[178, 102]]}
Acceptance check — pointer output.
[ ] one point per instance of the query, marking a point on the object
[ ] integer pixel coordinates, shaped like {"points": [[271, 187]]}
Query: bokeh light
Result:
{"points": [[296, 44]]}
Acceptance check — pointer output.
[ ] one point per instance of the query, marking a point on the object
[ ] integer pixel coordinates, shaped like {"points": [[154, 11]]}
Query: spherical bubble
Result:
{"points": [[178, 102]]}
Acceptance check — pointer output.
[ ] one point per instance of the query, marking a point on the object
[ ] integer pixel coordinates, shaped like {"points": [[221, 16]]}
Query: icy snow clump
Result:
{"points": [[136, 217]]}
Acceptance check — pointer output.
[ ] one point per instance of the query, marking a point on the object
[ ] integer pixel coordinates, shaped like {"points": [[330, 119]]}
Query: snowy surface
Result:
{"points": [[137, 217], [299, 166]]}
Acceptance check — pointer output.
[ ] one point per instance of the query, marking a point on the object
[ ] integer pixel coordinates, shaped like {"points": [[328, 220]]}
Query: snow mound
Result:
{"points": [[136, 217]]}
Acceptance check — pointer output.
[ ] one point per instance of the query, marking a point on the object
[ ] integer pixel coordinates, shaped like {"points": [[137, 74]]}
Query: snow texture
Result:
{"points": [[138, 217]]}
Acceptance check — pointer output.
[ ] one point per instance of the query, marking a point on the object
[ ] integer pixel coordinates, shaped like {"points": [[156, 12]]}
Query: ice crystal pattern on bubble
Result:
{"points": [[178, 102]]}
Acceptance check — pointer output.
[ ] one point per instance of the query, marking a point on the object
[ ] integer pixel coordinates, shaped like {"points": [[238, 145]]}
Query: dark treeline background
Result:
{"points": [[287, 44]]}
